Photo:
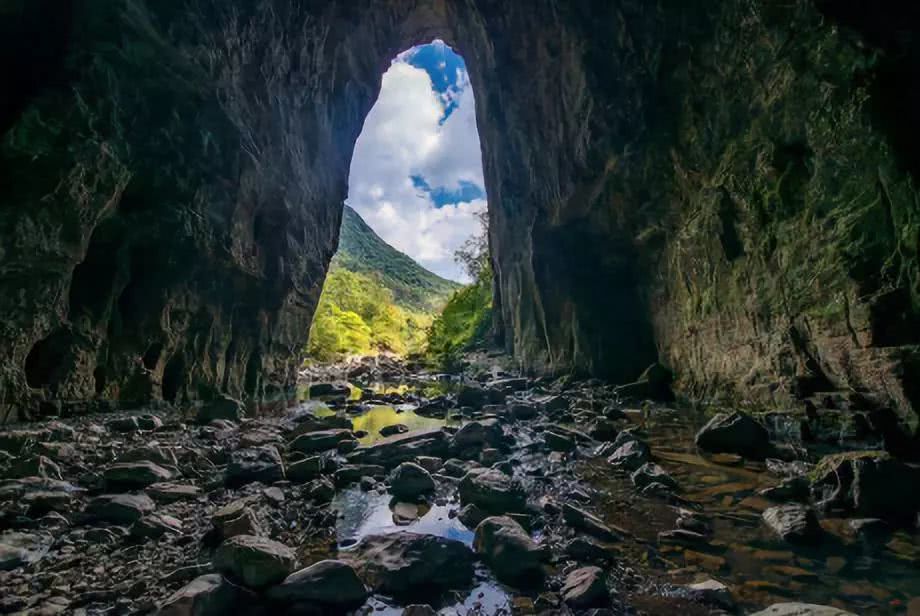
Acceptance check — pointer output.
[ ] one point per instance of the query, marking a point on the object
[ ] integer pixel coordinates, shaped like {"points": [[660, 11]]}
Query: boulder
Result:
{"points": [[207, 595], [306, 469], [262, 464], [331, 584], [793, 523], [585, 588], [801, 609], [477, 434], [492, 491], [735, 433], [473, 396], [123, 509], [236, 518], [394, 450], [410, 481], [630, 456], [650, 473], [134, 475], [404, 563], [224, 407], [869, 484], [508, 550], [256, 562], [321, 440]]}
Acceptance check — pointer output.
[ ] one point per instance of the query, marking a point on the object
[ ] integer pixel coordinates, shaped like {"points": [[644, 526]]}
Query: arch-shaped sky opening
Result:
{"points": [[416, 174]]}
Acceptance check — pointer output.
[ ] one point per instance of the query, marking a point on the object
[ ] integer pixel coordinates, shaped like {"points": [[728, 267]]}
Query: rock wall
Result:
{"points": [[723, 186]]}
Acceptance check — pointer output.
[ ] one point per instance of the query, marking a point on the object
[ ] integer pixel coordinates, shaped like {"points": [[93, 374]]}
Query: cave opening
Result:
{"points": [[416, 204]]}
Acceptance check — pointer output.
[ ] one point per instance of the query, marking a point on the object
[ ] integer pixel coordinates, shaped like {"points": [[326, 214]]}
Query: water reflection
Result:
{"points": [[379, 417]]}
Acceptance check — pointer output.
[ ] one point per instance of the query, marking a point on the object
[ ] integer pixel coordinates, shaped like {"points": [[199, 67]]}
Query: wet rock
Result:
{"points": [[394, 429], [306, 470], [351, 473], [585, 588], [35, 466], [735, 433], [322, 440], [405, 513], [580, 519], [793, 523], [458, 468], [871, 530], [471, 516], [508, 550], [492, 491], [682, 537], [321, 490], [403, 563], [329, 390], [172, 492], [123, 509], [256, 562], [331, 584], [710, 592], [869, 484], [134, 475], [21, 549], [155, 525], [262, 464], [630, 456], [394, 450], [650, 473], [429, 463], [558, 442], [207, 595], [477, 434], [801, 609], [585, 550], [410, 481]]}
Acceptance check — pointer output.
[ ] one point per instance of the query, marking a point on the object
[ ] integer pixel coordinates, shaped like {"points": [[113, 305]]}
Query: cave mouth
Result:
{"points": [[416, 196]]}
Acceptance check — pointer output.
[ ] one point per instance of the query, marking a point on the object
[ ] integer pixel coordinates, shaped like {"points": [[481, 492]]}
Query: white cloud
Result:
{"points": [[403, 136]]}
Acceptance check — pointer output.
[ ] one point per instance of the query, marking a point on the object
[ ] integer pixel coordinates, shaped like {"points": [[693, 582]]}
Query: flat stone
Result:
{"points": [[394, 450], [256, 562], [120, 508], [134, 475], [330, 583], [319, 441], [167, 492], [801, 609], [148, 453], [306, 470], [156, 525], [630, 455], [793, 523]]}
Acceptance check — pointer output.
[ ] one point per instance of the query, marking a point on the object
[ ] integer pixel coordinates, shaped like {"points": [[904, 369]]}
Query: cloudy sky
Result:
{"points": [[416, 175]]}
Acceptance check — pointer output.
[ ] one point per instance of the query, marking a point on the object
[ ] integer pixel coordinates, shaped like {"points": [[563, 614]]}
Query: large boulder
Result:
{"points": [[492, 491], [410, 481], [330, 584], [404, 563], [793, 523], [508, 550], [262, 464], [224, 407], [736, 433], [870, 484], [255, 562], [207, 595]]}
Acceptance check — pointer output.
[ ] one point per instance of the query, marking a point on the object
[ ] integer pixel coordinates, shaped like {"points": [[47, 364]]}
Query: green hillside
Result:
{"points": [[363, 251]]}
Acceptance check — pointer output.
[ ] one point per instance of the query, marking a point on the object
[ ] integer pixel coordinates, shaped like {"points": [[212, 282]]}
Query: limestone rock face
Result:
{"points": [[725, 187]]}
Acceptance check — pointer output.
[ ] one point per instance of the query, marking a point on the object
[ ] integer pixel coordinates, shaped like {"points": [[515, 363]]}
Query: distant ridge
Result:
{"points": [[362, 250]]}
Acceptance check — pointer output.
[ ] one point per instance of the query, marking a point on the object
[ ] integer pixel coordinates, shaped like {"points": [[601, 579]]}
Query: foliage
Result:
{"points": [[357, 315], [414, 288]]}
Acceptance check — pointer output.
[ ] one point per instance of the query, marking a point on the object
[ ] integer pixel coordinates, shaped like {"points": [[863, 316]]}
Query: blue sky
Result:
{"points": [[416, 175]]}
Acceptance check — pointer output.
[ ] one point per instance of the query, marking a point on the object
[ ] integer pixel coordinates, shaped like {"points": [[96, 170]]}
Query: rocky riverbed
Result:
{"points": [[421, 494]]}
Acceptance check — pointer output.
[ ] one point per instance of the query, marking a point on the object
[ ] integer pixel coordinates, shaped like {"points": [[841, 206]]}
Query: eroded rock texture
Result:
{"points": [[725, 186]]}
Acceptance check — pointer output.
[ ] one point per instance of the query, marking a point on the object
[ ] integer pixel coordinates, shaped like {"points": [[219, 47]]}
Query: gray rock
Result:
{"points": [[508, 549], [471, 515], [262, 464], [331, 583], [394, 429], [793, 523], [120, 508], [155, 525], [869, 484], [394, 450], [207, 595], [558, 442], [225, 408], [410, 481], [306, 470], [134, 475], [585, 550], [588, 523], [256, 562], [148, 453], [236, 518], [650, 473], [21, 549], [523, 411], [405, 563], [169, 492], [492, 491], [801, 609], [735, 433], [35, 466], [329, 390], [711, 592], [321, 440], [585, 588], [630, 455]]}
